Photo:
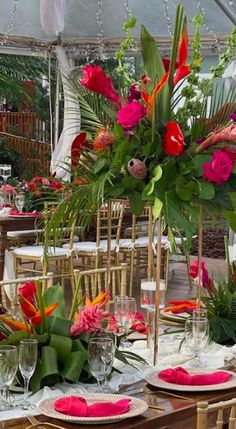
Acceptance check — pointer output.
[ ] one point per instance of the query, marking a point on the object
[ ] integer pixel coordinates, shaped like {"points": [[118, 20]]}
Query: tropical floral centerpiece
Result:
{"points": [[62, 341], [137, 142]]}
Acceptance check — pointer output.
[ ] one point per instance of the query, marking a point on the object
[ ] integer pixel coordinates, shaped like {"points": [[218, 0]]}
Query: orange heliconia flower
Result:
{"points": [[150, 99], [183, 68], [101, 299], [14, 324], [32, 313]]}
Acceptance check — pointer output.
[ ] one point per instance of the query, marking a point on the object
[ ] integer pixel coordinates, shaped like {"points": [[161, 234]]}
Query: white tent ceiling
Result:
{"points": [[81, 21]]}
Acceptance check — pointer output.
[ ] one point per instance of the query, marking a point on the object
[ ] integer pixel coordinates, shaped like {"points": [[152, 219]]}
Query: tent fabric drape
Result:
{"points": [[52, 16], [71, 122]]}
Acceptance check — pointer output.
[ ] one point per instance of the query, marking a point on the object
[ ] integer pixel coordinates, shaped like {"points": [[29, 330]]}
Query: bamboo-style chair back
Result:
{"points": [[109, 221], [225, 414], [9, 290], [92, 282]]}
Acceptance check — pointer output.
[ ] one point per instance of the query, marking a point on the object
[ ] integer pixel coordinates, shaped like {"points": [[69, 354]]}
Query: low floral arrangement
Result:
{"points": [[62, 341], [138, 143], [218, 298]]}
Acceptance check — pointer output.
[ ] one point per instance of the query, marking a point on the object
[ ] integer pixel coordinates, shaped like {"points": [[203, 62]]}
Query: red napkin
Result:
{"points": [[16, 213], [78, 406], [179, 375]]}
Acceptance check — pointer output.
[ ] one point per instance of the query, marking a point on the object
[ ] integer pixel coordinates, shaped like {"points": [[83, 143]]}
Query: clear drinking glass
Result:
{"points": [[101, 353], [8, 369], [125, 310], [5, 172], [196, 336], [20, 201], [28, 353]]}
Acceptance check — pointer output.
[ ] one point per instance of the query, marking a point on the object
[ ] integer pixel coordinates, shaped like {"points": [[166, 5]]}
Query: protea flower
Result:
{"points": [[137, 168], [103, 139]]}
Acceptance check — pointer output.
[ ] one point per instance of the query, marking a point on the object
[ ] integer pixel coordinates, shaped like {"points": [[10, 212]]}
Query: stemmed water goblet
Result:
{"points": [[101, 352], [20, 201], [28, 352], [8, 369], [125, 311], [197, 337], [5, 172]]}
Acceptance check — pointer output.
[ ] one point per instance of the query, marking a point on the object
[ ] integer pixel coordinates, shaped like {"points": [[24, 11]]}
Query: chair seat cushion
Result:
{"points": [[90, 246], [141, 242], [25, 233], [38, 251]]}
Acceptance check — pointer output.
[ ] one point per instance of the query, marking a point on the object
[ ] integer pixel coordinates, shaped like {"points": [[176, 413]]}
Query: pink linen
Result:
{"points": [[78, 407], [179, 375], [16, 213]]}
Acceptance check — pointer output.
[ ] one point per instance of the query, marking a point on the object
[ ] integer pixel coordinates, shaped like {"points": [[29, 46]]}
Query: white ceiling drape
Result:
{"points": [[52, 16]]}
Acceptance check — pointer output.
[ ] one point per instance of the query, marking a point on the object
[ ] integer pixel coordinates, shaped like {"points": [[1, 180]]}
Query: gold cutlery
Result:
{"points": [[185, 398], [156, 407], [40, 425]]}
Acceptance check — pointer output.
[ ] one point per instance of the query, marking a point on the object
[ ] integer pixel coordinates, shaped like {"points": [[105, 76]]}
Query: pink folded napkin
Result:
{"points": [[16, 213], [179, 375], [78, 406]]}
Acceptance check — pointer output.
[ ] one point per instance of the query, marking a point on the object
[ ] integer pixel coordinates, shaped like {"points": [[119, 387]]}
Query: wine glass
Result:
{"points": [[196, 336], [28, 352], [5, 172], [125, 310], [101, 353], [20, 201], [8, 369]]}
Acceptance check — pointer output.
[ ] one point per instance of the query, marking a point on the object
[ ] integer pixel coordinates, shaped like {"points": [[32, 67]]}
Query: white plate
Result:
{"points": [[137, 407], [157, 382]]}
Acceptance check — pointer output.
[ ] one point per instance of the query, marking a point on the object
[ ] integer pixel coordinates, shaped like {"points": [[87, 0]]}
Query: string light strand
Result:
{"points": [[100, 32], [208, 29], [167, 17], [11, 23]]}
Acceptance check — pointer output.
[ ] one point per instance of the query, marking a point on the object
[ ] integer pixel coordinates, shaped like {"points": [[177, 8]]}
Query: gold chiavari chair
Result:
{"points": [[105, 248], [225, 414], [92, 282], [9, 290], [36, 259]]}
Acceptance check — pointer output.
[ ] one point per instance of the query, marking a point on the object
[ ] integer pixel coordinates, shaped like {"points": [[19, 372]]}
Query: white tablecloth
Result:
{"points": [[168, 355]]}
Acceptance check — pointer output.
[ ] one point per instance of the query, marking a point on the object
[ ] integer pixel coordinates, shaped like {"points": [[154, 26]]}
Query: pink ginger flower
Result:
{"points": [[219, 168], [28, 291], [206, 282], [228, 134], [89, 320], [96, 80], [9, 189]]}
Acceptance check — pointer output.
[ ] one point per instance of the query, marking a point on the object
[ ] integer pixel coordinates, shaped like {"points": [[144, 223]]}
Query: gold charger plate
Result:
{"points": [[153, 380], [137, 407]]}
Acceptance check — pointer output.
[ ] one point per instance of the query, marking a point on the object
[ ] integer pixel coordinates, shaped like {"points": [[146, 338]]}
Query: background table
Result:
{"points": [[12, 224]]}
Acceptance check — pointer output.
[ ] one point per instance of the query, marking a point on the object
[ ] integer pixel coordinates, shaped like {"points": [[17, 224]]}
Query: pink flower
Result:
{"points": [[131, 114], [28, 291], [206, 282], [89, 320], [9, 189], [219, 168], [97, 81]]}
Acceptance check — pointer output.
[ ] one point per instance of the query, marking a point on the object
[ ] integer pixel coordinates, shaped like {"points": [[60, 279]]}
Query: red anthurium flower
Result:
{"points": [[96, 80], [173, 139], [183, 68], [79, 144], [150, 99]]}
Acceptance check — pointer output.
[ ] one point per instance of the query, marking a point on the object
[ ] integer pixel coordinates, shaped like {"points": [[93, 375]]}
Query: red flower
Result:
{"points": [[130, 115], [97, 81], [79, 144], [28, 291], [173, 139]]}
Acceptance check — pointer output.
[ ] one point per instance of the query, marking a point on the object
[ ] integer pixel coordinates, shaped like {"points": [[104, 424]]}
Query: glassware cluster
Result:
{"points": [[10, 359]]}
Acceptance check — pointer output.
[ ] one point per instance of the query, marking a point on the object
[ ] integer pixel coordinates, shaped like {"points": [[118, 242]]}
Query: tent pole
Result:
{"points": [[226, 10], [57, 102]]}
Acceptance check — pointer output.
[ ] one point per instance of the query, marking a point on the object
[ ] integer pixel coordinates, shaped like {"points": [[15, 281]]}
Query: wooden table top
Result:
{"points": [[178, 414]]}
